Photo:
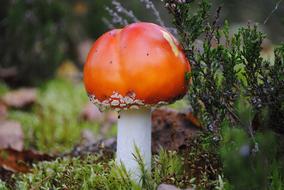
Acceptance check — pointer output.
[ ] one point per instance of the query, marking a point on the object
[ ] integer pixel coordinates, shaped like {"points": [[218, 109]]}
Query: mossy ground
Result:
{"points": [[52, 126], [99, 171]]}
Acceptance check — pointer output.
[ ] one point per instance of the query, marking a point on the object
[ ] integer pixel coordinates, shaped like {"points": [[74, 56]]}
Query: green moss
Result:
{"points": [[70, 173], [96, 172], [3, 88], [53, 125], [3, 185], [187, 168]]}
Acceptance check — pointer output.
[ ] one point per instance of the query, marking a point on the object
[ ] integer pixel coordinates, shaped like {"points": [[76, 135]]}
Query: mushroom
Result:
{"points": [[131, 70]]}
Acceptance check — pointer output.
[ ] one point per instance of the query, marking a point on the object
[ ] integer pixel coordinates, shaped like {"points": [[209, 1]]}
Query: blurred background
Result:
{"points": [[44, 44], [37, 36]]}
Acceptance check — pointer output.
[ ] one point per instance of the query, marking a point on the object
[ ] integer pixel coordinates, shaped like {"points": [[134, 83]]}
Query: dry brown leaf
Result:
{"points": [[11, 135], [87, 137], [6, 73], [20, 98], [20, 161], [91, 113], [171, 129], [3, 111]]}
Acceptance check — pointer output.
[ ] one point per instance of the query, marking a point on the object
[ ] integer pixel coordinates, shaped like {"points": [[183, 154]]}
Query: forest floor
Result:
{"points": [[52, 137]]}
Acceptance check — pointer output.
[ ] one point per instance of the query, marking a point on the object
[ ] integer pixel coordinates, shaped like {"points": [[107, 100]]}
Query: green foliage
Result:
{"points": [[235, 87], [167, 163], [96, 172], [3, 88], [250, 162], [54, 124], [145, 179], [190, 24], [277, 179], [3, 186], [224, 67], [71, 173], [34, 38]]}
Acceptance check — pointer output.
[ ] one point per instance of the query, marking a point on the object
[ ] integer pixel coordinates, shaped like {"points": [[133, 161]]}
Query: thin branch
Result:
{"points": [[244, 125], [272, 12], [108, 23], [120, 9], [150, 5], [116, 19]]}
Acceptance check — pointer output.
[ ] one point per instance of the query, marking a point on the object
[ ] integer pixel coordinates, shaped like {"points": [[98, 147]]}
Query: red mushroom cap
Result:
{"points": [[139, 65]]}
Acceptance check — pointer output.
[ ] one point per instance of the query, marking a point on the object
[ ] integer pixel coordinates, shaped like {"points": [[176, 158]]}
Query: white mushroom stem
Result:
{"points": [[134, 129]]}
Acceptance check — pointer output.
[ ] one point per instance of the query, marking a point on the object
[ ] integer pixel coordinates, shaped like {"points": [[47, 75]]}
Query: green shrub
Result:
{"points": [[225, 67], [236, 87], [34, 39]]}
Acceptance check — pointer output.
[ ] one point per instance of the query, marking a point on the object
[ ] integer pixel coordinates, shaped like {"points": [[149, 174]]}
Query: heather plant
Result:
{"points": [[225, 67], [247, 161], [234, 85]]}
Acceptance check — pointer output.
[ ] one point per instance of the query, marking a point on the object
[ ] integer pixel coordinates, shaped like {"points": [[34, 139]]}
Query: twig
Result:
{"points": [[215, 25], [116, 19], [272, 12], [120, 9], [150, 5], [107, 23], [249, 126]]}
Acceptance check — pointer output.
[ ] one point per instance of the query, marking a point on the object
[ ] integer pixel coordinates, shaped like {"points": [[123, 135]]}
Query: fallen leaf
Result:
{"points": [[167, 187], [106, 119], [171, 129], [87, 137], [3, 111], [91, 113], [11, 135], [20, 98], [20, 161], [6, 73]]}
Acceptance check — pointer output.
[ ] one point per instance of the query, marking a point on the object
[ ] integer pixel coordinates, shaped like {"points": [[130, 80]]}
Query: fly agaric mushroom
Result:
{"points": [[130, 70]]}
